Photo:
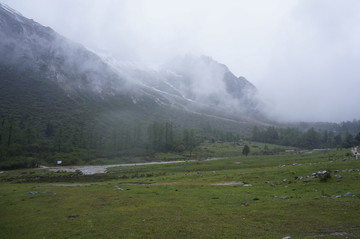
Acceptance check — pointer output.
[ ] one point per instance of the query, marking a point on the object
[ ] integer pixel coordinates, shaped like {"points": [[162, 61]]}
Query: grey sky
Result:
{"points": [[303, 55]]}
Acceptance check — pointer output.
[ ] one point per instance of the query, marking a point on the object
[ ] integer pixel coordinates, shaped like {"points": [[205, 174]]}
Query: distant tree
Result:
{"points": [[348, 141], [49, 130], [256, 134], [266, 149], [357, 139], [271, 135], [246, 150], [189, 139], [337, 140], [310, 139]]}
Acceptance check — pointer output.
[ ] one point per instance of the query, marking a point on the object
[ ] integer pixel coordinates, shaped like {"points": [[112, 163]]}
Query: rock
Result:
{"points": [[338, 176], [322, 175], [284, 197], [48, 191], [256, 199], [73, 216], [348, 194], [288, 237], [32, 193], [118, 188], [247, 185], [244, 204], [336, 196], [286, 181]]}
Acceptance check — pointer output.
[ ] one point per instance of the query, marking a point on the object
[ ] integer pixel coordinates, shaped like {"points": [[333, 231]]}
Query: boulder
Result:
{"points": [[32, 193], [348, 194]]}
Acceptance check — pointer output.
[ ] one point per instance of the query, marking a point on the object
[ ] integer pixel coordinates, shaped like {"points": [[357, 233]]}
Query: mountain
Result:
{"points": [[58, 96], [194, 85]]}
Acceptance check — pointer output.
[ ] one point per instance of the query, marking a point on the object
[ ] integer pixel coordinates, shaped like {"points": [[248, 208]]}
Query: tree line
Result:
{"points": [[28, 142], [308, 139]]}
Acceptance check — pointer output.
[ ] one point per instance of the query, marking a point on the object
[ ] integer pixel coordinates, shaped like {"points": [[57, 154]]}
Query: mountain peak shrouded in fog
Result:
{"points": [[194, 83], [295, 52], [31, 46]]}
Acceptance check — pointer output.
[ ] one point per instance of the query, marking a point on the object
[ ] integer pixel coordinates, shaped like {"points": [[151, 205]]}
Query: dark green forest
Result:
{"points": [[346, 137], [28, 142]]}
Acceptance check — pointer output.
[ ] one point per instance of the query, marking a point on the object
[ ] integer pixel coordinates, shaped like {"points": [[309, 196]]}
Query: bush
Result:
{"points": [[324, 176], [18, 162]]}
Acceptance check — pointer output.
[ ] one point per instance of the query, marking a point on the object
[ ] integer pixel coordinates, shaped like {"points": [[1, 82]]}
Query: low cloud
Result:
{"points": [[303, 56]]}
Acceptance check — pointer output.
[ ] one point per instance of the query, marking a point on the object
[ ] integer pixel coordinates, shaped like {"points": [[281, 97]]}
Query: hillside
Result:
{"points": [[59, 100]]}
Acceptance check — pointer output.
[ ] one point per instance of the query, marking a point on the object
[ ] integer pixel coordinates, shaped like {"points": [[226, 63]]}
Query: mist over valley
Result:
{"points": [[179, 119]]}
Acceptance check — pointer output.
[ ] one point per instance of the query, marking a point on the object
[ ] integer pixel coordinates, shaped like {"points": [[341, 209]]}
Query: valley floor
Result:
{"points": [[265, 196]]}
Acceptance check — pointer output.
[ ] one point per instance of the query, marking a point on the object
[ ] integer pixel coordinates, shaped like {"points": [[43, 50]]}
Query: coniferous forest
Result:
{"points": [[28, 142]]}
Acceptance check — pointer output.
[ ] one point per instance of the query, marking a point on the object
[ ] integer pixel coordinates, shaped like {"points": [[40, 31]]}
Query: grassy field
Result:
{"points": [[259, 196]]}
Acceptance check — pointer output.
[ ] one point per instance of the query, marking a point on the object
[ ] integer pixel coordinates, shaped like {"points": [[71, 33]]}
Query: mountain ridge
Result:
{"points": [[85, 75]]}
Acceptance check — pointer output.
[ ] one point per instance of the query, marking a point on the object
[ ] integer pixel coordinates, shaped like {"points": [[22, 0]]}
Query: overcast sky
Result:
{"points": [[302, 55]]}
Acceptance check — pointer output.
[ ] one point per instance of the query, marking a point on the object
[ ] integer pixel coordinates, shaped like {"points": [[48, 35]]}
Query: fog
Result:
{"points": [[302, 55]]}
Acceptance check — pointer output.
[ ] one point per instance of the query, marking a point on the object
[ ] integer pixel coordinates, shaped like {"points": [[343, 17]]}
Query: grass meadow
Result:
{"points": [[259, 196]]}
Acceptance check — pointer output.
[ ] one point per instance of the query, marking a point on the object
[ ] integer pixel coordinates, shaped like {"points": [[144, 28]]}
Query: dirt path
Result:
{"points": [[93, 169]]}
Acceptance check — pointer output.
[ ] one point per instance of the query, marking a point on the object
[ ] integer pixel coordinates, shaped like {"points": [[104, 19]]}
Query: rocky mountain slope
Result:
{"points": [[43, 72]]}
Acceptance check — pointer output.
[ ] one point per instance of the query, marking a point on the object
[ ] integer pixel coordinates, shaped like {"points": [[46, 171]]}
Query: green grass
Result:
{"points": [[179, 200]]}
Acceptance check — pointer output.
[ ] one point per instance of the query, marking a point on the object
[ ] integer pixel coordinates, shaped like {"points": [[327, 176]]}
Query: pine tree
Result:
{"points": [[246, 150]]}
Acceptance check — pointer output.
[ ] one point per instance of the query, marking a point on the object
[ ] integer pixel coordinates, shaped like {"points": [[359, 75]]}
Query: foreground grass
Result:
{"points": [[180, 200]]}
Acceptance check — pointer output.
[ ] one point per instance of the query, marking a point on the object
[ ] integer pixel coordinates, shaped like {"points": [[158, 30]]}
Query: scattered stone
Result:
{"points": [[348, 194], [267, 182], [334, 234], [336, 196], [48, 191], [229, 183], [73, 216], [288, 237], [118, 188], [256, 199], [299, 178], [247, 185], [285, 197], [244, 204], [322, 175], [338, 176], [32, 193]]}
